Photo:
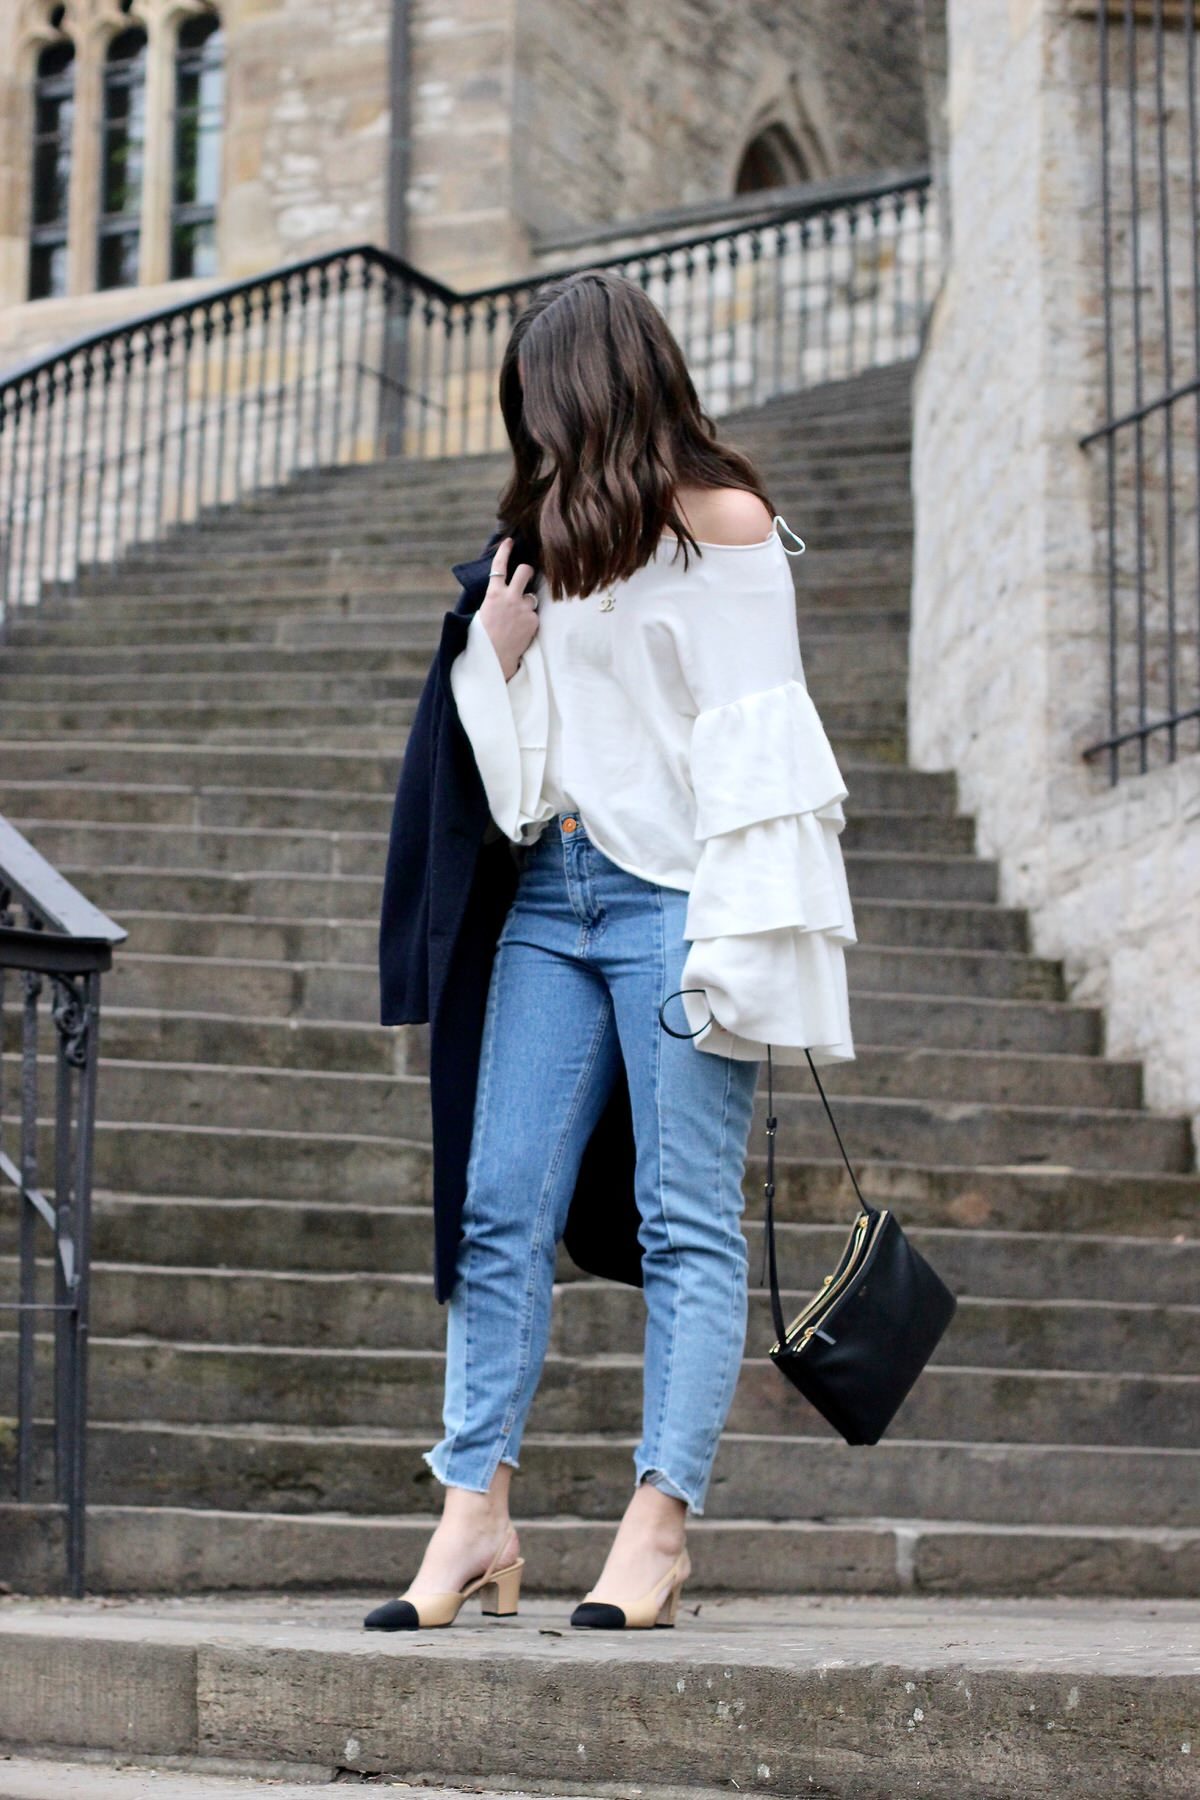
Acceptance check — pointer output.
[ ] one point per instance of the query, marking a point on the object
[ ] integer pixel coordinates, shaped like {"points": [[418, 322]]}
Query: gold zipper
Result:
{"points": [[832, 1285]]}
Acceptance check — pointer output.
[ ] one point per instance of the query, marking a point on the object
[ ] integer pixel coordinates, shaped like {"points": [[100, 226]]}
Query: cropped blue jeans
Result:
{"points": [[587, 955]]}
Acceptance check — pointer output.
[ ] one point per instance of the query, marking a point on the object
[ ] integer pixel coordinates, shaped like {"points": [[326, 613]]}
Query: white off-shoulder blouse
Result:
{"points": [[671, 712]]}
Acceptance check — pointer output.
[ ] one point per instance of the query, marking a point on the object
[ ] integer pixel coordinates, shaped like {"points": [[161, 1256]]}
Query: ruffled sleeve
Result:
{"points": [[769, 916], [506, 722]]}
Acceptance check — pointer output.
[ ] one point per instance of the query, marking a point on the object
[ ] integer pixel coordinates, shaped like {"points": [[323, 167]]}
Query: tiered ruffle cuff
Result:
{"points": [[769, 914]]}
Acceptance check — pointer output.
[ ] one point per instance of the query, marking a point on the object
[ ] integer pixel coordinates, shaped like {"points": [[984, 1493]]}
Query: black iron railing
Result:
{"points": [[1150, 435], [355, 355], [55, 944]]}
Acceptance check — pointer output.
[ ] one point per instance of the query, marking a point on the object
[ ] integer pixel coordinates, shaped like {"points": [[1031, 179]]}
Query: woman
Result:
{"points": [[634, 700]]}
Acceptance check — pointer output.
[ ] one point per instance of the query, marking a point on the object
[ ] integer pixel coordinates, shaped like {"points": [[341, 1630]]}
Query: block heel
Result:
{"points": [[500, 1595]]}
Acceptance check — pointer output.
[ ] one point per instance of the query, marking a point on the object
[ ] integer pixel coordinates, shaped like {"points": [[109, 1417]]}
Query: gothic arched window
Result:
{"points": [[122, 143], [53, 113], [199, 105], [772, 158]]}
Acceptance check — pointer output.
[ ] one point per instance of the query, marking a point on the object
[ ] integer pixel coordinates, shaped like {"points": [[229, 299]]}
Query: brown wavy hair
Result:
{"points": [[605, 424]]}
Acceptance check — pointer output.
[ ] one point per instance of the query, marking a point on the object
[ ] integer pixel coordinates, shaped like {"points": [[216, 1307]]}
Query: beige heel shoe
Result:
{"points": [[499, 1591], [656, 1607]]}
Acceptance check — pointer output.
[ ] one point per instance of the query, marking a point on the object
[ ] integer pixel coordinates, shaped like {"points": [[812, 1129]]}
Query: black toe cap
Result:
{"points": [[393, 1615], [596, 1615]]}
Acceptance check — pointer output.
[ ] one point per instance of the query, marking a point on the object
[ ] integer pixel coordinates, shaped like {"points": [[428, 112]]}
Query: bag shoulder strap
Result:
{"points": [[769, 1256]]}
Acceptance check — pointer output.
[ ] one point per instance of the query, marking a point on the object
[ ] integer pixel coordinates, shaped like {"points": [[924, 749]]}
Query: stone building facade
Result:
{"points": [[459, 133]]}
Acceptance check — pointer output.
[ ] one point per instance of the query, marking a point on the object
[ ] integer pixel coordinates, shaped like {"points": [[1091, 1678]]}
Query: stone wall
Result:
{"points": [[632, 107], [1009, 664]]}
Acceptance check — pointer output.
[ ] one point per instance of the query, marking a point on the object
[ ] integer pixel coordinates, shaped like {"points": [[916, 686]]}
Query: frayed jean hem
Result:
{"points": [[658, 1478], [447, 1479]]}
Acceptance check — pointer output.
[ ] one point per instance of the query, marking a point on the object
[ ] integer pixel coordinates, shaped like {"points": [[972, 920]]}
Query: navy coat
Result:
{"points": [[448, 884]]}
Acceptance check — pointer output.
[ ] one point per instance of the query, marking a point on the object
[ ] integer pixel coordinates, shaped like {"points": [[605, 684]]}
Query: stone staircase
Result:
{"points": [[206, 739]]}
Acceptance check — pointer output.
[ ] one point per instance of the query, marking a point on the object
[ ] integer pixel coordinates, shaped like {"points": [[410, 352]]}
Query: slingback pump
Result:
{"points": [[658, 1606], [499, 1591]]}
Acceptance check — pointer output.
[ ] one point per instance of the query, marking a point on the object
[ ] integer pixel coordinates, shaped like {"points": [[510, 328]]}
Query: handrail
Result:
{"points": [[67, 943], [47, 895], [229, 290], [127, 432], [736, 211]]}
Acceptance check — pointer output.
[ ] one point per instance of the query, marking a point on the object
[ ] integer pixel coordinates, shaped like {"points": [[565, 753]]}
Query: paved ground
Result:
{"points": [[30, 1778], [1144, 1637], [853, 1700]]}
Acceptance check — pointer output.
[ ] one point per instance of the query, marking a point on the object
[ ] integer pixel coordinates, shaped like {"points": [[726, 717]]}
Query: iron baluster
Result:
{"points": [[343, 283], [223, 401], [360, 360]]}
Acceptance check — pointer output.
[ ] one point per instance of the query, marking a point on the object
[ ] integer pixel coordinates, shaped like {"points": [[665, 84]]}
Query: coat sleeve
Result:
{"points": [[507, 723], [406, 902], [769, 915], [404, 905]]}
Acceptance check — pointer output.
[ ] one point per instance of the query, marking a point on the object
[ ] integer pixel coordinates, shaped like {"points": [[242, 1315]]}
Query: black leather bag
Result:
{"points": [[858, 1346], [856, 1349]]}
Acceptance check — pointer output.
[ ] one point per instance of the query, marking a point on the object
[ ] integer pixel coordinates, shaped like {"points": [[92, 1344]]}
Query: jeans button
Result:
{"points": [[569, 824]]}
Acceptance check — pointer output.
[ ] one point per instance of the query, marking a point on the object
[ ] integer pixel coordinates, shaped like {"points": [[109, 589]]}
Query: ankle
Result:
{"points": [[476, 1518], [657, 1518]]}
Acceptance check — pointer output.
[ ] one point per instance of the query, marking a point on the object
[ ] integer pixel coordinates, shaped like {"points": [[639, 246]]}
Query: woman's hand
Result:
{"points": [[508, 610]]}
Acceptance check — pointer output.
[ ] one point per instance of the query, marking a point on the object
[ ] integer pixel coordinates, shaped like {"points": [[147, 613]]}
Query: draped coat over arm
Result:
{"points": [[449, 881]]}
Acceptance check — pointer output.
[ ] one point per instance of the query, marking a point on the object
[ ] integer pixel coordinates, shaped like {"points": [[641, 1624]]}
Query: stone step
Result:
{"points": [[367, 1310], [830, 658], [224, 1384], [94, 766], [285, 628], [371, 1112], [344, 991], [143, 1549], [820, 509], [807, 493], [268, 1097], [304, 1470], [464, 490], [743, 1696], [188, 804], [875, 873], [789, 440], [1018, 1334], [327, 533], [297, 1237], [51, 727], [43, 805], [898, 922], [416, 594], [873, 729], [1000, 1033], [268, 576], [858, 696], [106, 761], [811, 1186]]}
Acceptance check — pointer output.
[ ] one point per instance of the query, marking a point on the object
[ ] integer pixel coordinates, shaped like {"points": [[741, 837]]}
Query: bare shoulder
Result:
{"points": [[725, 515]]}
